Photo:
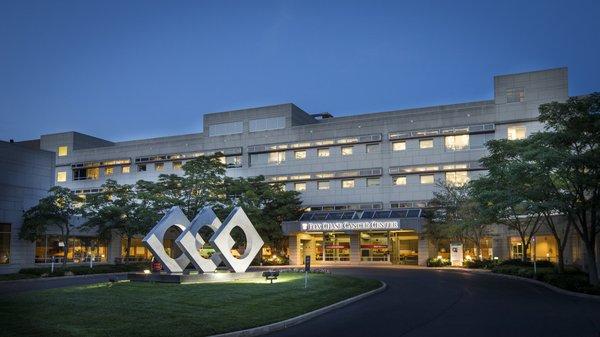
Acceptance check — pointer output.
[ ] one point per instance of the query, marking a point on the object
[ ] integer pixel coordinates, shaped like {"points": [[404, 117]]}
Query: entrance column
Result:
{"points": [[354, 248], [294, 250], [425, 250]]}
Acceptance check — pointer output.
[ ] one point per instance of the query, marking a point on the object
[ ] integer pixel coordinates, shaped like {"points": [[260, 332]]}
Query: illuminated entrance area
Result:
{"points": [[368, 247]]}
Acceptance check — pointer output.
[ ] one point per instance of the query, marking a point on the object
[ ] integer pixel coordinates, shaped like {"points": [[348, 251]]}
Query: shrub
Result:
{"points": [[480, 264], [84, 269], [520, 263], [435, 262]]}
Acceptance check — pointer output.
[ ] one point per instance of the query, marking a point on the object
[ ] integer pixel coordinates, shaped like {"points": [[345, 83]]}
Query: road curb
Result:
{"points": [[265, 329], [514, 277], [41, 279]]}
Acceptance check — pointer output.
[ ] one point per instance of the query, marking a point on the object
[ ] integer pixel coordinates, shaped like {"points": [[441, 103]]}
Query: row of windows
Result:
{"points": [[458, 178]]}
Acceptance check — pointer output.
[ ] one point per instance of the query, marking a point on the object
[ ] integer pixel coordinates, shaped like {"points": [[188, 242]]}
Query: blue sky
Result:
{"points": [[133, 69]]}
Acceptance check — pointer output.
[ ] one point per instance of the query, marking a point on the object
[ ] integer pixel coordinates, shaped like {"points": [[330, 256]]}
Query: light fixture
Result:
{"points": [[146, 271]]}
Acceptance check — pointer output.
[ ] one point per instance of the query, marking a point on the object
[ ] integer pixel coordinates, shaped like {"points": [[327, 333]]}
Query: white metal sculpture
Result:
{"points": [[190, 242], [222, 237], [154, 240]]}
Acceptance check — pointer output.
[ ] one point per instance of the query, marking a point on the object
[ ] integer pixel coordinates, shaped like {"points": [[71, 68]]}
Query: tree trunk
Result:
{"points": [[128, 248], [561, 259], [591, 264], [479, 252], [65, 250]]}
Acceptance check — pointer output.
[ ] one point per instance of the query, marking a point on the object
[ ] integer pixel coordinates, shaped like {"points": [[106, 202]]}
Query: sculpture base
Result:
{"points": [[218, 276]]}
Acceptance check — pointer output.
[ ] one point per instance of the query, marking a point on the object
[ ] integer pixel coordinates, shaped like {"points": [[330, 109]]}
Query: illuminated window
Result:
{"points": [[5, 243], [125, 169], [514, 95], [460, 142], [373, 182], [108, 171], [233, 161], [93, 173], [276, 157], [141, 167], [516, 132], [348, 183], [427, 179], [63, 151], [299, 155], [159, 167], [61, 176], [347, 150], [399, 181], [399, 146], [177, 165], [426, 143], [324, 152], [372, 148], [323, 185], [458, 178], [300, 187]]}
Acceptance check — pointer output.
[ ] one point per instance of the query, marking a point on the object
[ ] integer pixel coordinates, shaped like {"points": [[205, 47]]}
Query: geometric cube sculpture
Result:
{"points": [[190, 242], [154, 240], [221, 240]]}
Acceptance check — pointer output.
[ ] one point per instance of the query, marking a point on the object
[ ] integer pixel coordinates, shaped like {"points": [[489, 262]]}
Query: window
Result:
{"points": [[399, 181], [276, 157], [399, 146], [460, 142], [299, 155], [372, 148], [514, 95], [348, 183], [159, 167], [323, 185], [4, 243], [300, 187], [63, 151], [61, 176], [426, 143], [458, 178], [324, 152], [265, 124], [177, 165], [109, 170], [516, 132], [233, 161], [373, 182], [125, 169], [347, 150], [141, 167], [225, 129], [427, 179]]}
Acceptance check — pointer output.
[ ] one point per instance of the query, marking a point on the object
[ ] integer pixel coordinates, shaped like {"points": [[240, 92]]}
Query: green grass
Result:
{"points": [[153, 309]]}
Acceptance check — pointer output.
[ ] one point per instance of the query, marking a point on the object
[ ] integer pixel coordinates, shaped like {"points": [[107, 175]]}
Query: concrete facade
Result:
{"points": [[316, 154]]}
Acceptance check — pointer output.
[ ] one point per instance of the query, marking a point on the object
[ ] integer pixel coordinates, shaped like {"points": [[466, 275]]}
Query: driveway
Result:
{"points": [[425, 302]]}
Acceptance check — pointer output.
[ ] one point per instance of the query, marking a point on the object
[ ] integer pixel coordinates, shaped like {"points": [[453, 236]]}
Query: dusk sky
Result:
{"points": [[124, 70]]}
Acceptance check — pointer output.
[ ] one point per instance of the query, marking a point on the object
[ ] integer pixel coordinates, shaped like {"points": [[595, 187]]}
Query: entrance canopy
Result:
{"points": [[355, 221]]}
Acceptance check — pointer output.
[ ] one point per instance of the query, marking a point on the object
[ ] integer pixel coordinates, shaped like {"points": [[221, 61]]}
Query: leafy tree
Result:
{"points": [[266, 205], [456, 215], [201, 185], [572, 132], [118, 209], [54, 211], [508, 192]]}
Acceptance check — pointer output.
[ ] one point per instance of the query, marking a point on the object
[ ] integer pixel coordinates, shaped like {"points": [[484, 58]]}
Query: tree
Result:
{"points": [[457, 216], [507, 193], [201, 185], [573, 133], [542, 158], [266, 205], [54, 211], [118, 209]]}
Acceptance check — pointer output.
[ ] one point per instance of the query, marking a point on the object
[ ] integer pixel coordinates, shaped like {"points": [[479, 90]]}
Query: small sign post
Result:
{"points": [[306, 270]]}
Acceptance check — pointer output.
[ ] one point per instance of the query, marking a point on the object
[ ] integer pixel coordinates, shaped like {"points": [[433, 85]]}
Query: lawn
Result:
{"points": [[146, 309]]}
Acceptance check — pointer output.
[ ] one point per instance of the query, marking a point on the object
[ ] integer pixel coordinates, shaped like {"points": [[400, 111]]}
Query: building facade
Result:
{"points": [[364, 178]]}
